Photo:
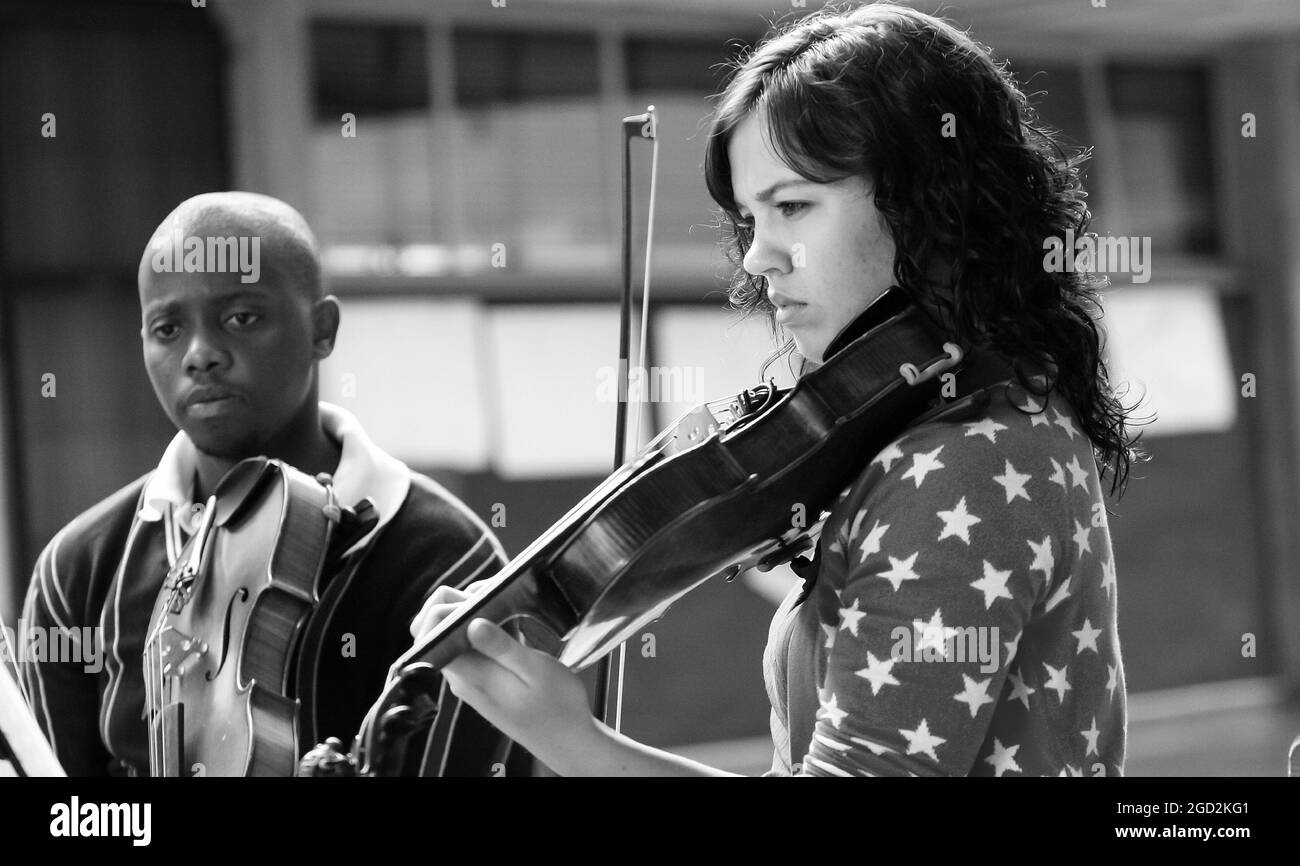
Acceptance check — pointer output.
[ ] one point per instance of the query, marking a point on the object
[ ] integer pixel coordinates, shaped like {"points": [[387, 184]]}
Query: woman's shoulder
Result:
{"points": [[1008, 447]]}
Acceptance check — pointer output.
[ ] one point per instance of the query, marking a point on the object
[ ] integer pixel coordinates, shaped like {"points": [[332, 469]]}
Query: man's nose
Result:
{"points": [[204, 354]]}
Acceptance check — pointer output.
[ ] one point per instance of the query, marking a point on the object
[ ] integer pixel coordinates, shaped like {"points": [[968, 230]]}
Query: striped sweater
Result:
{"points": [[100, 575]]}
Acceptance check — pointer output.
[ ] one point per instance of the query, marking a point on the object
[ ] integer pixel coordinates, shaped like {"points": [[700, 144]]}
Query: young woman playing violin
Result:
{"points": [[961, 617]]}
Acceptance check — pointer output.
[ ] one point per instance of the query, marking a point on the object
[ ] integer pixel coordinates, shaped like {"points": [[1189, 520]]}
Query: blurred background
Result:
{"points": [[469, 219]]}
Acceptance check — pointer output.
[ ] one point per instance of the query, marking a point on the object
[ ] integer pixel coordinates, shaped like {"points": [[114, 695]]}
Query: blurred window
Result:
{"points": [[412, 371], [1169, 347], [1161, 117], [368, 68], [691, 65], [374, 179], [504, 66]]}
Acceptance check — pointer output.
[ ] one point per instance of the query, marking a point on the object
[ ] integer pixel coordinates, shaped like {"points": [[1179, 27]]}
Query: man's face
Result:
{"points": [[231, 362]]}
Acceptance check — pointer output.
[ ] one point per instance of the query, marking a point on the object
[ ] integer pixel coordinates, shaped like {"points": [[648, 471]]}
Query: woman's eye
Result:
{"points": [[244, 319], [792, 208], [164, 331]]}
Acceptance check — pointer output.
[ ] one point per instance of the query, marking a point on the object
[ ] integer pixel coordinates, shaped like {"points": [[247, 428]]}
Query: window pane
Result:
{"points": [[1162, 126], [684, 65], [1169, 344], [552, 374], [534, 152], [367, 68], [410, 370], [514, 66], [376, 186]]}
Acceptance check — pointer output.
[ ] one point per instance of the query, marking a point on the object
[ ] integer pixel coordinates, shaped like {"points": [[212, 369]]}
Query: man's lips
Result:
{"points": [[209, 394]]}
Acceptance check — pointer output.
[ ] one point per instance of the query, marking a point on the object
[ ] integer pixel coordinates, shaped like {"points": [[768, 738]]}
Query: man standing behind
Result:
{"points": [[233, 332]]}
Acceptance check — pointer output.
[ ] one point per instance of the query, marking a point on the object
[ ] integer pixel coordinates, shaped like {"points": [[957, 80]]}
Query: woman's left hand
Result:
{"points": [[527, 694]]}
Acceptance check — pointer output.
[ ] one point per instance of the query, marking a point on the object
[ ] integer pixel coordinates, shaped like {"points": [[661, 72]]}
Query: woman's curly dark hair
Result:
{"points": [[968, 180]]}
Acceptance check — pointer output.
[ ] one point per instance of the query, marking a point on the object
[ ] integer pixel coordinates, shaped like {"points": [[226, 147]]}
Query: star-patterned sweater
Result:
{"points": [[963, 617]]}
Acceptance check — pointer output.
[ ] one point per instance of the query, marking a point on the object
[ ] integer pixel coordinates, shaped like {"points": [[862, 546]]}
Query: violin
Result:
{"points": [[724, 489], [218, 660]]}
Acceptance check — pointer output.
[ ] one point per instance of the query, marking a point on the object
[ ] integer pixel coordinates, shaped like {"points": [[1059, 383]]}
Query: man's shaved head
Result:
{"points": [[288, 247], [234, 321]]}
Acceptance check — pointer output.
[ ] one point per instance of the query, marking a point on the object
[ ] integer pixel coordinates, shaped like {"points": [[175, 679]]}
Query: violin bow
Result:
{"points": [[609, 679]]}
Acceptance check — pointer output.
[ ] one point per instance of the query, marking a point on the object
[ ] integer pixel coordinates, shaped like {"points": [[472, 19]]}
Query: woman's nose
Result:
{"points": [[764, 256]]}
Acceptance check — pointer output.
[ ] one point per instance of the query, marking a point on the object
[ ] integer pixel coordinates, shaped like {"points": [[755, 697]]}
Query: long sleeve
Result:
{"points": [[64, 691]]}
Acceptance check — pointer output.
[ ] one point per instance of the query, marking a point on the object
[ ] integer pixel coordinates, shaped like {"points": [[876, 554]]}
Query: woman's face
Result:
{"points": [[823, 248]]}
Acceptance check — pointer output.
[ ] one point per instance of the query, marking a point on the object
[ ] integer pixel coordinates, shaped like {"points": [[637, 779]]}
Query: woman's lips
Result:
{"points": [[786, 314]]}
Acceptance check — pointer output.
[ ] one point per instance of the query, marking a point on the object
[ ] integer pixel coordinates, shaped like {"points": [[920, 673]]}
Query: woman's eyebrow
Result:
{"points": [[766, 195]]}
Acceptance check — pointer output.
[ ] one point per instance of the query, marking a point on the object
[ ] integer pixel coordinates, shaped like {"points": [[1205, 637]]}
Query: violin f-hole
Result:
{"points": [[240, 595]]}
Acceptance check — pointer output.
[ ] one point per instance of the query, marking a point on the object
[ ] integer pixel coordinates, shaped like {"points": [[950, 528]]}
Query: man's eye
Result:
{"points": [[165, 330], [243, 319]]}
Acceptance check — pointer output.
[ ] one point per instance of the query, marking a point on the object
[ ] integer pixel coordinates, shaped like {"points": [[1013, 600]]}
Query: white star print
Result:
{"points": [[1058, 475], [900, 570], [920, 740], [1113, 680], [849, 617], [993, 584], [1108, 575], [1039, 419], [988, 427], [1061, 594], [887, 457], [1087, 637], [1003, 758], [1056, 681], [831, 710], [932, 634], [1063, 421], [835, 546], [1081, 534], [924, 464], [877, 672], [1030, 405], [1013, 482], [1044, 561], [871, 544], [1011, 646], [1019, 691], [1078, 475], [1091, 736], [957, 523], [975, 695], [1073, 771]]}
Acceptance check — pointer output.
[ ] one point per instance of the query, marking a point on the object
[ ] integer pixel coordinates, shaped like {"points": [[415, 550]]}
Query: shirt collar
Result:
{"points": [[364, 470]]}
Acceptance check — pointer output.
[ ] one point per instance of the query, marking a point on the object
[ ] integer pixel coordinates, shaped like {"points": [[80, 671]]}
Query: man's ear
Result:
{"points": [[325, 326]]}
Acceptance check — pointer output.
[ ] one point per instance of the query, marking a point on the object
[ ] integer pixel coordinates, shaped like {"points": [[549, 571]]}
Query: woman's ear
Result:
{"points": [[325, 326]]}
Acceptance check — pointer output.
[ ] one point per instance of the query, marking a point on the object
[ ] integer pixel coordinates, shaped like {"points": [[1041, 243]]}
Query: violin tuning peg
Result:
{"points": [[332, 512], [324, 479]]}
